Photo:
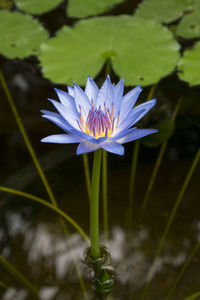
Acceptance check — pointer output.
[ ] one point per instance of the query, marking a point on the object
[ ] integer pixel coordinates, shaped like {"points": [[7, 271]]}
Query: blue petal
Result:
{"points": [[122, 133], [81, 101], [128, 102], [129, 121], [136, 134], [61, 139], [105, 95], [118, 94], [113, 147], [66, 113], [58, 120], [91, 89], [67, 100], [70, 90], [86, 147], [99, 140], [136, 114]]}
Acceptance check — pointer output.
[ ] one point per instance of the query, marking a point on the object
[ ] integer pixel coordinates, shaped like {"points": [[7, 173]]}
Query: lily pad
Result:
{"points": [[21, 35], [37, 6], [163, 11], [189, 66], [84, 8], [189, 26], [165, 130], [141, 51]]}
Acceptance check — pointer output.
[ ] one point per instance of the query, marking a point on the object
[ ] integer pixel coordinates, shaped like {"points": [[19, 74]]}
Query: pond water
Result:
{"points": [[33, 240]]}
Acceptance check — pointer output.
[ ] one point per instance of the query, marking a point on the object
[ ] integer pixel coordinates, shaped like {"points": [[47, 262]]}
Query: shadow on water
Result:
{"points": [[32, 239]]}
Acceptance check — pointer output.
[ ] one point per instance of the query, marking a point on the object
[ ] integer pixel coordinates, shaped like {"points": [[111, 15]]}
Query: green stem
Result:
{"points": [[158, 162], [104, 192], [132, 182], [87, 173], [94, 205], [43, 202], [19, 277], [183, 269], [171, 218]]}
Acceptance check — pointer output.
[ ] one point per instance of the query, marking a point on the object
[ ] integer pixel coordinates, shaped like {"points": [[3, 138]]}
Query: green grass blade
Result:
{"points": [[171, 218], [193, 296], [37, 165], [19, 277], [49, 205], [158, 163], [182, 271]]}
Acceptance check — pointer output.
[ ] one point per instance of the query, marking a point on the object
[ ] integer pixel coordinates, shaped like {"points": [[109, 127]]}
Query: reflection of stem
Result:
{"points": [[87, 173], [19, 277], [171, 218], [39, 169], [104, 192], [182, 271], [158, 162], [44, 202], [94, 205]]}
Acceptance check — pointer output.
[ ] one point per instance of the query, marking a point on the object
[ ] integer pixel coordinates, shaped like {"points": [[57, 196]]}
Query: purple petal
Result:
{"points": [[113, 147], [122, 133], [129, 121], [85, 147], [61, 139], [136, 134], [91, 89]]}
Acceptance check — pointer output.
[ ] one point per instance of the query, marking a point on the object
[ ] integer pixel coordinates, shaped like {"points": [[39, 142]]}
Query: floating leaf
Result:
{"points": [[189, 65], [165, 130], [84, 8], [37, 6], [163, 11], [141, 51], [189, 26], [21, 35]]}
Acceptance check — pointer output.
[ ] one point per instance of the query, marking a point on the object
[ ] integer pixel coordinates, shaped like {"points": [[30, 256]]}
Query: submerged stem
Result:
{"points": [[94, 205]]}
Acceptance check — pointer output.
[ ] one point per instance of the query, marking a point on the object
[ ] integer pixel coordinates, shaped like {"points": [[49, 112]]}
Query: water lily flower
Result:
{"points": [[98, 118]]}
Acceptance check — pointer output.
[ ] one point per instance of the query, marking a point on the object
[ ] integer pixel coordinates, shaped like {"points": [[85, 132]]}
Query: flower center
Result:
{"points": [[99, 123]]}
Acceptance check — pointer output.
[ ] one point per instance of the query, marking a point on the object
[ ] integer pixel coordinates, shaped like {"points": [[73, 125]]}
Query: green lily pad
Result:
{"points": [[189, 66], [141, 51], [21, 35], [165, 130], [84, 8], [37, 6], [189, 26], [163, 11]]}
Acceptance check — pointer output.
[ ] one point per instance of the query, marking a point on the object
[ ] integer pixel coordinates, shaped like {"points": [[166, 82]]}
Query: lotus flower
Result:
{"points": [[98, 118]]}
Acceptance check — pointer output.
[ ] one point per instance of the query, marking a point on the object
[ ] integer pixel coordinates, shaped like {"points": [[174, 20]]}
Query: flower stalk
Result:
{"points": [[94, 205]]}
